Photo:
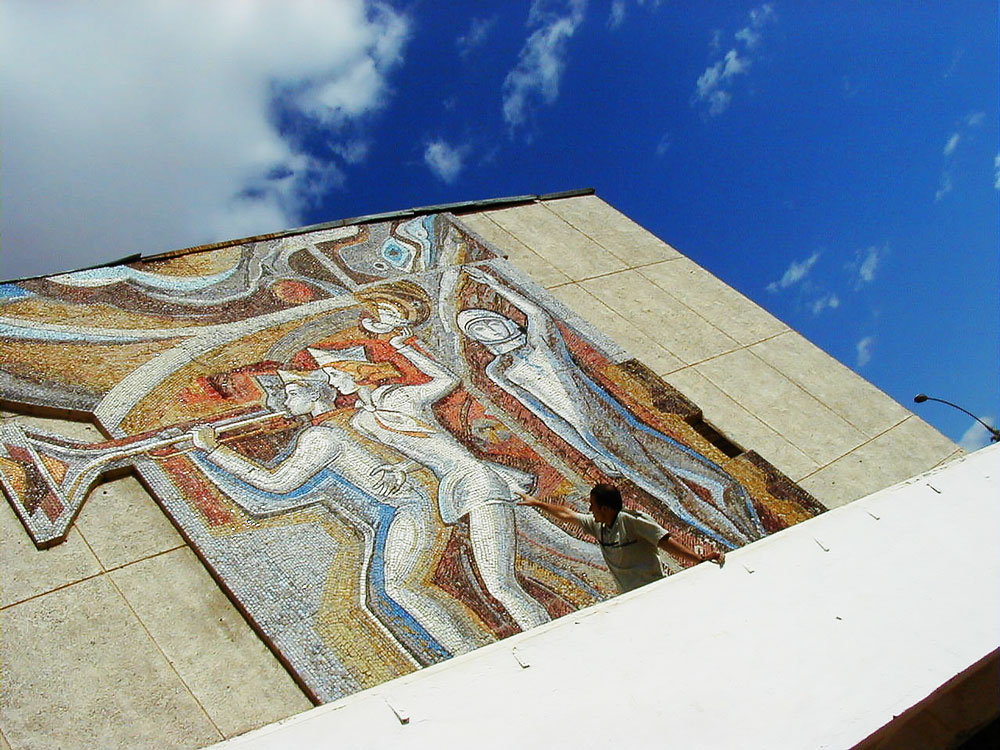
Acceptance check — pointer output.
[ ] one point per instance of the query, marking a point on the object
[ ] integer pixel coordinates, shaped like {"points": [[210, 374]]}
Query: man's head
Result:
{"points": [[605, 503], [347, 369]]}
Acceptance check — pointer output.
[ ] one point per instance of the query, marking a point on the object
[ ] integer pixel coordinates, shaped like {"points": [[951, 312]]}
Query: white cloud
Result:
{"points": [[352, 152], [975, 119], [478, 32], [543, 58], [713, 86], [794, 273], [663, 145], [946, 187], [750, 34], [866, 263], [864, 350], [952, 144], [445, 160], [146, 126], [750, 37], [709, 87], [761, 15], [826, 302], [715, 43], [617, 14], [977, 436]]}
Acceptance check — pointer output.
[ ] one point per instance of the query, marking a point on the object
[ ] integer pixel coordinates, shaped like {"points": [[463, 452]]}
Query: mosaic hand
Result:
{"points": [[390, 479]]}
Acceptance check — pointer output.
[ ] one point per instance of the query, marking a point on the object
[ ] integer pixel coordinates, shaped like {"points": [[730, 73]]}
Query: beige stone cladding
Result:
{"points": [[758, 382], [119, 635]]}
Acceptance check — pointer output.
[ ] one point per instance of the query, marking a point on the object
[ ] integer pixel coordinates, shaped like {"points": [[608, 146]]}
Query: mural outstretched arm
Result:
{"points": [[312, 453], [442, 382]]}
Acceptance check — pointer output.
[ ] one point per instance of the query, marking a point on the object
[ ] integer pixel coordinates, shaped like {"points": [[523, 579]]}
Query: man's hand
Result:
{"points": [[531, 500], [391, 479], [205, 437], [711, 555]]}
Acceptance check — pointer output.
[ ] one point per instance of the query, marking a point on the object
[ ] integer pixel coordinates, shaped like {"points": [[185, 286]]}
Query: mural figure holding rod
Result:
{"points": [[50, 477], [400, 416], [535, 367], [356, 484]]}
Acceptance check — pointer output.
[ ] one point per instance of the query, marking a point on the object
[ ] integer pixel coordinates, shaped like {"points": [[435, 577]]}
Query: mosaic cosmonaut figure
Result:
{"points": [[535, 367], [400, 416], [328, 461]]}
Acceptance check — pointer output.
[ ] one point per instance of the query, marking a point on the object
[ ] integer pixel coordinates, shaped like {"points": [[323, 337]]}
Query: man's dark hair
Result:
{"points": [[608, 496]]}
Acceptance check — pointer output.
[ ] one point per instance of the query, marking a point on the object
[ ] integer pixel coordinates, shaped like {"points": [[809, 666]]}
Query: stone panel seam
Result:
{"points": [[818, 398], [166, 658], [612, 311], [602, 245], [687, 306], [823, 403], [147, 557], [810, 395], [856, 448], [52, 590], [721, 428], [517, 239]]}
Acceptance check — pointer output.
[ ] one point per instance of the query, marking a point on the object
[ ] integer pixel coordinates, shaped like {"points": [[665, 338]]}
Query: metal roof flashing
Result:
{"points": [[459, 207]]}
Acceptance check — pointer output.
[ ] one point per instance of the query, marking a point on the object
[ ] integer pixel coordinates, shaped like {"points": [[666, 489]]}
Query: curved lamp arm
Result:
{"points": [[994, 432]]}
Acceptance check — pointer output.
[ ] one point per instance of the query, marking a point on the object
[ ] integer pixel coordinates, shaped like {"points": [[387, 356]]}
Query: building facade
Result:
{"points": [[254, 476]]}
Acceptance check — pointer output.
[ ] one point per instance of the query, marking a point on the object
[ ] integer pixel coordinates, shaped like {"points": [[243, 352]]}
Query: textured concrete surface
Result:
{"points": [[82, 671], [105, 641], [796, 414], [893, 456], [122, 523], [220, 659]]}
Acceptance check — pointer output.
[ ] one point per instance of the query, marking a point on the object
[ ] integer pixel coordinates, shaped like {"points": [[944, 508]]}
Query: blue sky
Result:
{"points": [[835, 162]]}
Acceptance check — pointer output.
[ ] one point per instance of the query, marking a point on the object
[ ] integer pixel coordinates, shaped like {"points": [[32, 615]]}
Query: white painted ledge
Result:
{"points": [[815, 637]]}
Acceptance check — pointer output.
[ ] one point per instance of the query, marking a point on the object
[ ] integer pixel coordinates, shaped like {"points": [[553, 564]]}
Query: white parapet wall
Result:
{"points": [[816, 637]]}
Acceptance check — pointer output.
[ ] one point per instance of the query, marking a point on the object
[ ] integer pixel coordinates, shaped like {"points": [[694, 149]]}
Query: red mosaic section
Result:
{"points": [[197, 490]]}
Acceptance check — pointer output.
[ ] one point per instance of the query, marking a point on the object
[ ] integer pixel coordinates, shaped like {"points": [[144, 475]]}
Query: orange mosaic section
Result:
{"points": [[93, 316], [93, 367]]}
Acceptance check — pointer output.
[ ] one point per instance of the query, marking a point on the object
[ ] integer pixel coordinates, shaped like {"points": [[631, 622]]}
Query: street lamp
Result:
{"points": [[994, 432]]}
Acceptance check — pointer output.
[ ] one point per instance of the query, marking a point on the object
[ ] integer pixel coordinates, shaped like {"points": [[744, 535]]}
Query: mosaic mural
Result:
{"points": [[339, 422]]}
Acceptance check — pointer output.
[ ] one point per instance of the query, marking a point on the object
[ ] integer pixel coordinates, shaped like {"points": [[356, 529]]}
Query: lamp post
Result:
{"points": [[994, 432]]}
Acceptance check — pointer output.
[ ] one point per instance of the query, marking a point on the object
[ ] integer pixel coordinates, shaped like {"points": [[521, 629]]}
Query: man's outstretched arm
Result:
{"points": [[696, 555], [560, 512]]}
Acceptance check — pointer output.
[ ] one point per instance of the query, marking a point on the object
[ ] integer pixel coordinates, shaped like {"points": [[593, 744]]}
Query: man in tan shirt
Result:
{"points": [[629, 540]]}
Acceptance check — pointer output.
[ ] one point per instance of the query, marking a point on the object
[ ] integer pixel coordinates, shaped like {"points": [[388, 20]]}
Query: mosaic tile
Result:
{"points": [[340, 421]]}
